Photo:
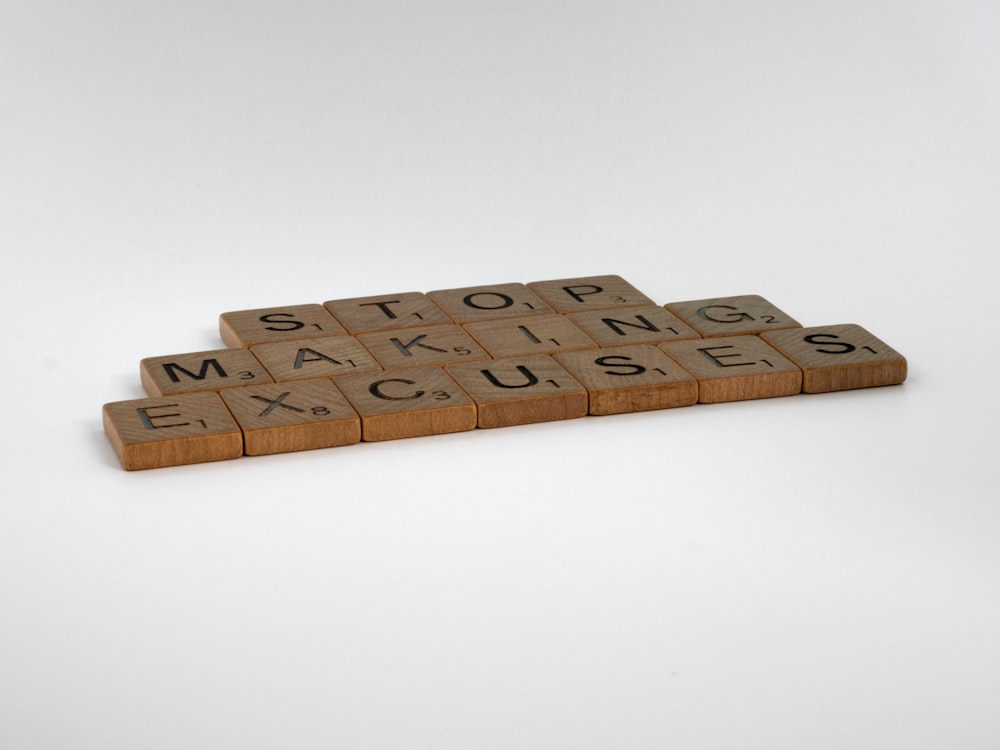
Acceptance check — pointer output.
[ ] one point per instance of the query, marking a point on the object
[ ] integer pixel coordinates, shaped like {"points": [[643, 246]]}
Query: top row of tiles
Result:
{"points": [[710, 317]]}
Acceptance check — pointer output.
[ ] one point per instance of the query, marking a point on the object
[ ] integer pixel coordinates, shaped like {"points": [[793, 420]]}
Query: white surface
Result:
{"points": [[816, 572]]}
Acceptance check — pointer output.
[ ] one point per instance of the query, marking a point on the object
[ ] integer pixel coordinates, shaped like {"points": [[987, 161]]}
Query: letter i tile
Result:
{"points": [[293, 416], [736, 368], [521, 390], [150, 433], [839, 357]]}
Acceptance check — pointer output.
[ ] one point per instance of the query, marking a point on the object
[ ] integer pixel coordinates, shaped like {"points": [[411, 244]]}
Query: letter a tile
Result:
{"points": [[296, 416], [625, 379], [736, 368], [201, 371], [315, 358], [839, 357], [408, 402], [150, 433], [521, 390]]}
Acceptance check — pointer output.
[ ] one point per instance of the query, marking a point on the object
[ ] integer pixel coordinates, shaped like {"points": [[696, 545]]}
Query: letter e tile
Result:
{"points": [[295, 416], [630, 378], [839, 357], [521, 390], [732, 316], [244, 328], [736, 368], [408, 402], [150, 433]]}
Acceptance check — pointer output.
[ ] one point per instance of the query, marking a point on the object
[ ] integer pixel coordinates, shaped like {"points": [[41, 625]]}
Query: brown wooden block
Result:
{"points": [[839, 357], [408, 402], [630, 378], [589, 293], [295, 416], [315, 358], [732, 316], [150, 433], [736, 368], [201, 371], [541, 334], [490, 302], [521, 390], [385, 312], [648, 324], [244, 328], [430, 345]]}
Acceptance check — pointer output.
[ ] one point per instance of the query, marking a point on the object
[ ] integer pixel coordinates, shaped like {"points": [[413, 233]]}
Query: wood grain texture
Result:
{"points": [[244, 328], [630, 379], [201, 371], [315, 358], [489, 302], [408, 402], [521, 390], [540, 334], [732, 316], [296, 416], [385, 312], [192, 428], [839, 357], [736, 368], [427, 345], [589, 293], [645, 324]]}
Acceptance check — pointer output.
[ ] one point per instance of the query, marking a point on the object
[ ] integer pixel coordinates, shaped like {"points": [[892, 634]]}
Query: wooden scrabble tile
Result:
{"points": [[589, 293], [490, 302], [149, 433], [408, 402], [647, 324], [736, 368], [632, 378], [839, 357], [201, 371], [388, 311], [296, 416], [244, 328], [521, 390], [429, 345], [732, 316], [315, 358], [541, 334]]}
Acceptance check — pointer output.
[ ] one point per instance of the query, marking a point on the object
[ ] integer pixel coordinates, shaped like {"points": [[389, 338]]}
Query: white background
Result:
{"points": [[813, 571]]}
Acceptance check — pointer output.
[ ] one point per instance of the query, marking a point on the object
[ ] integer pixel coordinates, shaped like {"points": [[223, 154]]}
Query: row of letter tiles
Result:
{"points": [[269, 417]]}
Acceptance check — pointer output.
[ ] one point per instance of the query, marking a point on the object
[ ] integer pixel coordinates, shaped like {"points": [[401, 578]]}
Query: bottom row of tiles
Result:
{"points": [[323, 413]]}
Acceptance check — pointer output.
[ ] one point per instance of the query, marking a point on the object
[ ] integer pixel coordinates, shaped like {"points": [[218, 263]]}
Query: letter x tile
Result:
{"points": [[296, 416]]}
